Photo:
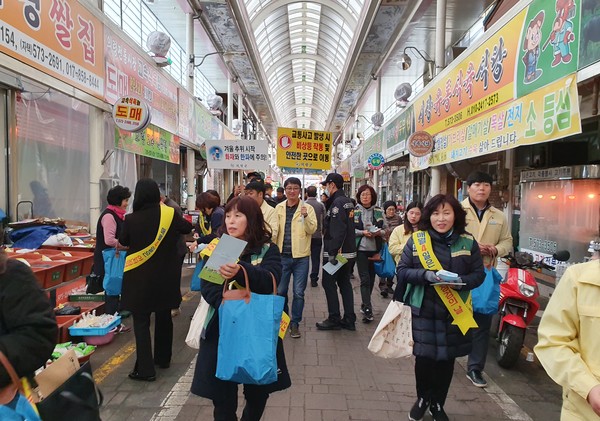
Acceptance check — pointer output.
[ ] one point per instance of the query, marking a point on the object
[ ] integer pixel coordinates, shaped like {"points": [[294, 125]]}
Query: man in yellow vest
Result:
{"points": [[256, 190], [490, 228]]}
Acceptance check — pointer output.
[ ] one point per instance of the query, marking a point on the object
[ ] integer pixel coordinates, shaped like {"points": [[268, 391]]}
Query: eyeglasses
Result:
{"points": [[292, 189]]}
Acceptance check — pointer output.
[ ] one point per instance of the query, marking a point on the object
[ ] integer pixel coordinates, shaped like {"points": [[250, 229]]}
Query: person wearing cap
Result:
{"points": [[268, 198], [297, 223], [338, 238], [489, 227], [256, 190]]}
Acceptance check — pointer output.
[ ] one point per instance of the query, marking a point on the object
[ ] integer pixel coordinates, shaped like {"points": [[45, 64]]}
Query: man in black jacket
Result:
{"points": [[338, 238]]}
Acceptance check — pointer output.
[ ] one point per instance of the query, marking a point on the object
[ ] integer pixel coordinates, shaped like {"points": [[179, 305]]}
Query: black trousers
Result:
{"points": [[163, 340], [433, 379], [366, 272], [226, 406], [316, 244], [331, 283], [481, 340]]}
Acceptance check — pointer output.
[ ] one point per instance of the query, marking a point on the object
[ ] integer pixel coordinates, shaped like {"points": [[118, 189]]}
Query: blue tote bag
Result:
{"points": [[114, 265], [196, 283], [386, 267], [485, 296], [249, 328]]}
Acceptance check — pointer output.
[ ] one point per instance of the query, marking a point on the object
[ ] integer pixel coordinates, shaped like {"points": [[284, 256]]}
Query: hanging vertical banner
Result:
{"points": [[58, 37], [129, 73], [303, 148]]}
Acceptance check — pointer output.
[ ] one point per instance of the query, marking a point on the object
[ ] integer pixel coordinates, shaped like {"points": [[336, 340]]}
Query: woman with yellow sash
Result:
{"points": [[441, 314], [151, 278], [210, 218]]}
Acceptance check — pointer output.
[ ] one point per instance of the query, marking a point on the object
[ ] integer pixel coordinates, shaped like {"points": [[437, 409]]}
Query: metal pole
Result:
{"points": [[189, 47], [440, 46]]}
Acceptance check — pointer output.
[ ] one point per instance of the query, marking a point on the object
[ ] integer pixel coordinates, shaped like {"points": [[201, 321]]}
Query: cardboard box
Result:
{"points": [[55, 374]]}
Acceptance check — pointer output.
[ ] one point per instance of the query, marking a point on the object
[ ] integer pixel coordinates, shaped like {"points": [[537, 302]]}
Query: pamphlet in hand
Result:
{"points": [[331, 268], [228, 250], [448, 278]]}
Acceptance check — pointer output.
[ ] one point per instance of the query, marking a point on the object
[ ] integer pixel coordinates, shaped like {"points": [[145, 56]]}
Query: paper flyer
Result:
{"points": [[228, 250], [331, 268]]}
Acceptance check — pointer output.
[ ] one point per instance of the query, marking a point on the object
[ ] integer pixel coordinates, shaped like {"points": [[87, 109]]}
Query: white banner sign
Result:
{"points": [[237, 154]]}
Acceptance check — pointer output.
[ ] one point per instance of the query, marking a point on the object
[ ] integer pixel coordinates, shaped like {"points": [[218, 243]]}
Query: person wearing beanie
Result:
{"points": [[490, 228]]}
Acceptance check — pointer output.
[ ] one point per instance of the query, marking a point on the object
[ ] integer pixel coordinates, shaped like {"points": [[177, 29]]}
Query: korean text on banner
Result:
{"points": [[304, 148], [129, 73], [58, 37], [237, 154], [152, 142], [547, 114]]}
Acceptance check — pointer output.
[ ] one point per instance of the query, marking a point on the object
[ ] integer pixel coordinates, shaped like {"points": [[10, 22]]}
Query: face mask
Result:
{"points": [[326, 191]]}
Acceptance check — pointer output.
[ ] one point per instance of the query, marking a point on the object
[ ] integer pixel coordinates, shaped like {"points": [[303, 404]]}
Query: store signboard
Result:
{"points": [[237, 154], [375, 161], [373, 144], [559, 173], [397, 132], [185, 108], [129, 73], [547, 114], [58, 37], [589, 45], [304, 148], [153, 142], [202, 124], [549, 44], [131, 114], [481, 81]]}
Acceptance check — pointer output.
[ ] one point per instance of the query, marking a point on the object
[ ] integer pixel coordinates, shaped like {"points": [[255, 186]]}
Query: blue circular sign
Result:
{"points": [[375, 161]]}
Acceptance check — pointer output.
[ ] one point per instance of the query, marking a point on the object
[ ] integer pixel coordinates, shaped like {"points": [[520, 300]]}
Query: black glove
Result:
{"points": [[431, 277], [333, 260]]}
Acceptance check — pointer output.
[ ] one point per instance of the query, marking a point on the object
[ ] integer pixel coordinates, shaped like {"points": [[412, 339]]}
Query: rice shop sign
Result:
{"points": [[420, 143], [131, 114]]}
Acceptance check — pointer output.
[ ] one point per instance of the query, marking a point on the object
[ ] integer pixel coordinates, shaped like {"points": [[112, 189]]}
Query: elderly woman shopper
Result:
{"points": [[441, 319], [262, 261], [150, 281], [108, 230], [368, 227], [391, 220]]}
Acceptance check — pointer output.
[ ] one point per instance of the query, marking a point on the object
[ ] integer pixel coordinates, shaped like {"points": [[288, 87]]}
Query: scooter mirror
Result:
{"points": [[562, 255]]}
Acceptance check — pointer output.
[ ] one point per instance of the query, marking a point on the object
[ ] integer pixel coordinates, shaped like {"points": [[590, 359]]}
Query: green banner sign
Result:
{"points": [[153, 142]]}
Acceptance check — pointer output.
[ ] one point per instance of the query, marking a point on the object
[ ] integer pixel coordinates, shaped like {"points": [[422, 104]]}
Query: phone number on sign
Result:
{"points": [[46, 57]]}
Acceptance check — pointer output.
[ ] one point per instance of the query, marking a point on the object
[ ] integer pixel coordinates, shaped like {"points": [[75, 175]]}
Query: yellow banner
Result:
{"points": [[547, 114], [461, 312], [304, 148], [138, 258]]}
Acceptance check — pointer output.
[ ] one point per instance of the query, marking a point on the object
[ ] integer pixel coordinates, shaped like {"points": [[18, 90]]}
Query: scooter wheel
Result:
{"points": [[509, 349]]}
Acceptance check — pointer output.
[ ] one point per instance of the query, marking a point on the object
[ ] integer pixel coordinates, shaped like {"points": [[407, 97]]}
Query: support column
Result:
{"points": [[440, 46], [189, 48], [96, 136], [190, 175], [377, 109], [231, 177]]}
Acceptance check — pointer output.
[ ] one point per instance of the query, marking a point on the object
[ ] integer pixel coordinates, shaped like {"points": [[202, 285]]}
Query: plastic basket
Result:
{"points": [[94, 331]]}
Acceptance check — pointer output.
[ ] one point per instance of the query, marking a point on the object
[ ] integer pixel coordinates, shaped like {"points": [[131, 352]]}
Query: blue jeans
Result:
{"points": [[299, 268]]}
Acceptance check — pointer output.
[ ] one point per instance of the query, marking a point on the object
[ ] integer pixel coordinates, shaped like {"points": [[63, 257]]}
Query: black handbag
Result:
{"points": [[94, 284], [78, 398]]}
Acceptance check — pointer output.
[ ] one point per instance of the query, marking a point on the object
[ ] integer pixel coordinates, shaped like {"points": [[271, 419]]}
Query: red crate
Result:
{"points": [[64, 322], [54, 272], [73, 266]]}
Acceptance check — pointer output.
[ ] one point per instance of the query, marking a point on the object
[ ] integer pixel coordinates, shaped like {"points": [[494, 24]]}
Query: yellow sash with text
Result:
{"points": [[462, 313], [140, 257]]}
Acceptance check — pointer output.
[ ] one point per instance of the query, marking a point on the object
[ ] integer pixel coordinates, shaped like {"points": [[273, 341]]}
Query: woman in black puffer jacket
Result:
{"points": [[27, 325], [437, 342]]}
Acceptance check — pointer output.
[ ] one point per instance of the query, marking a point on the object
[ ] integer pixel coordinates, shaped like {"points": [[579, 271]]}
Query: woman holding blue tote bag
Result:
{"points": [[262, 262]]}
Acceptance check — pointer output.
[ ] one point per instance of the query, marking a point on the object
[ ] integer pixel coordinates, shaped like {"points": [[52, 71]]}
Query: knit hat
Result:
{"points": [[389, 203]]}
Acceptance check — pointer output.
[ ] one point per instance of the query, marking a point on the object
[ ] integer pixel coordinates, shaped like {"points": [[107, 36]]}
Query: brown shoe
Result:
{"points": [[295, 331]]}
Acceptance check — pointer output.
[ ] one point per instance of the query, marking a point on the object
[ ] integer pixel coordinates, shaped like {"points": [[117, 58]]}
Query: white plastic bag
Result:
{"points": [[60, 239], [393, 336], [198, 321]]}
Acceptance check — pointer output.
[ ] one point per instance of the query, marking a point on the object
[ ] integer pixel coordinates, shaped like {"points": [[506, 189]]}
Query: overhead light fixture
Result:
{"points": [[405, 61]]}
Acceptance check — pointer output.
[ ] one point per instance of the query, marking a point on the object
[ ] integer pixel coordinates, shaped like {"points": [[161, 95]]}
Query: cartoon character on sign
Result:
{"points": [[216, 153], [531, 46], [562, 32]]}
